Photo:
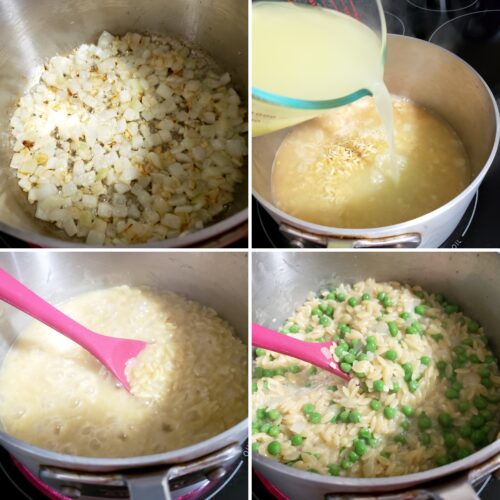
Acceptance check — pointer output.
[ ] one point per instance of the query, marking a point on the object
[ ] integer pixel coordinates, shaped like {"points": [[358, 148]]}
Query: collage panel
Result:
{"points": [[134, 385], [123, 123], [375, 124], [375, 375]]}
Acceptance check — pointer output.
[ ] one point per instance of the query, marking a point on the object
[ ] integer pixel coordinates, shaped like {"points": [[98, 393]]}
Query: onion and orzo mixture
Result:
{"points": [[188, 384], [137, 138], [425, 387]]}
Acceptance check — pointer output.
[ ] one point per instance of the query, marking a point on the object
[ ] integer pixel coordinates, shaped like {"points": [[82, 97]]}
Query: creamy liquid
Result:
{"points": [[313, 54], [189, 384], [330, 170]]}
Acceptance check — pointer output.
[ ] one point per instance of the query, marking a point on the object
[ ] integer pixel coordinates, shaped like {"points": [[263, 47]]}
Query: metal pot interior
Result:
{"points": [[216, 279], [33, 31], [281, 282], [429, 76]]}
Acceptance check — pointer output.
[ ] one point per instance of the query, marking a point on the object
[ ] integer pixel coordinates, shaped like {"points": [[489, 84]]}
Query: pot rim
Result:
{"points": [[170, 457], [390, 482], [401, 227], [188, 240]]}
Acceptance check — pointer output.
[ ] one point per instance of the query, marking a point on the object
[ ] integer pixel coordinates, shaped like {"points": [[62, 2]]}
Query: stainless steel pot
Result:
{"points": [[33, 30], [281, 281], [438, 80], [217, 279]]}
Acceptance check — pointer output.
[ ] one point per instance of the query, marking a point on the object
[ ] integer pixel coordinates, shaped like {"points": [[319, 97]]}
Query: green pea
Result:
{"points": [[420, 310], [309, 329], [331, 295], [405, 316], [463, 452], [294, 369], [389, 412], [411, 330], [489, 359], [484, 371], [391, 355], [353, 456], [353, 302], [373, 442], [349, 358], [261, 413], [314, 417], [474, 359], [255, 447], [442, 460], [407, 410], [378, 385], [346, 367], [375, 405], [487, 383], [364, 433], [478, 437], [361, 356], [324, 320], [365, 296], [445, 420], [451, 308], [294, 329], [480, 403], [273, 414], [346, 464], [344, 329], [334, 470], [274, 448], [355, 417], [440, 298], [344, 416], [425, 439], [312, 370], [400, 438], [457, 386], [340, 297], [437, 337], [315, 311], [425, 360], [371, 346], [279, 371], [451, 393], [395, 387], [405, 424], [258, 372], [424, 422], [265, 427], [450, 440], [308, 408], [260, 352], [473, 326], [255, 387], [463, 406], [486, 414], [360, 446], [494, 398], [465, 430], [382, 296], [297, 440], [274, 431], [393, 329], [385, 454], [441, 365], [477, 421]]}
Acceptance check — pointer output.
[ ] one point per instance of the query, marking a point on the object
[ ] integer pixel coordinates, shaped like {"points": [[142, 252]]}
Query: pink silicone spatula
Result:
{"points": [[112, 352], [317, 353]]}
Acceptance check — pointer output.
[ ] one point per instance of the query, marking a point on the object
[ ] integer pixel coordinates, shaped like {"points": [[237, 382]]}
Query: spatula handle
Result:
{"points": [[16, 294]]}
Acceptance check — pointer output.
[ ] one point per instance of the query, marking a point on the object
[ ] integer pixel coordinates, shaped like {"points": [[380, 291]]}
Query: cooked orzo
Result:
{"points": [[188, 385], [425, 387]]}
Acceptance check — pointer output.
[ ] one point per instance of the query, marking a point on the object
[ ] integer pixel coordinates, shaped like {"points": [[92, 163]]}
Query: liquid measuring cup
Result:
{"points": [[310, 56]]}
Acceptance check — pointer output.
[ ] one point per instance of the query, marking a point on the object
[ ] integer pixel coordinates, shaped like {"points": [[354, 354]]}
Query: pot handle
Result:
{"points": [[154, 485], [300, 238], [461, 487]]}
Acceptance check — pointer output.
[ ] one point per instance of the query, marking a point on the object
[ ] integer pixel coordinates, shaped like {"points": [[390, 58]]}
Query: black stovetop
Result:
{"points": [[14, 486], [470, 28]]}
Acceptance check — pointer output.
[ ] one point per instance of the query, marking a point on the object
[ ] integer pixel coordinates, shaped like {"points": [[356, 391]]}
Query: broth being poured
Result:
{"points": [[330, 170], [314, 54]]}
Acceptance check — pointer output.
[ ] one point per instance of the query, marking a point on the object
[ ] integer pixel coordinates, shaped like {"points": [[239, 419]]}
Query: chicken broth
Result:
{"points": [[335, 170]]}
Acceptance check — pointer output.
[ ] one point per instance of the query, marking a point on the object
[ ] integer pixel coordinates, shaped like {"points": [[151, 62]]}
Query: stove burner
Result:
{"points": [[442, 5], [395, 24]]}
